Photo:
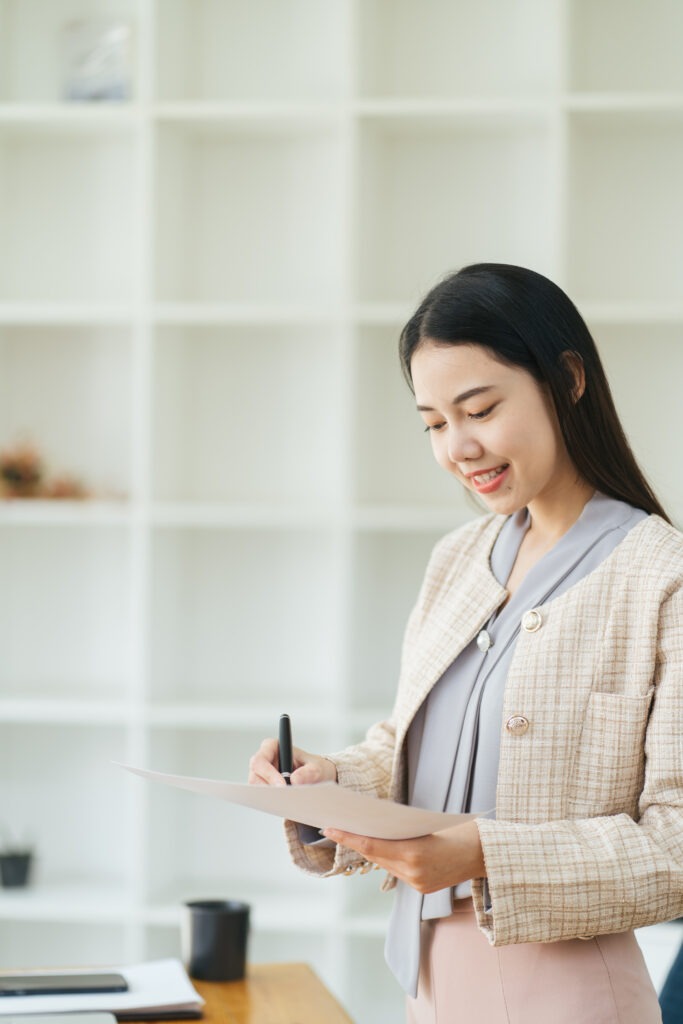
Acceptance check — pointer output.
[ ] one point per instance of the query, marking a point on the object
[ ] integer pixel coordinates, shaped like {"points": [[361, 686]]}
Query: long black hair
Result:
{"points": [[525, 320]]}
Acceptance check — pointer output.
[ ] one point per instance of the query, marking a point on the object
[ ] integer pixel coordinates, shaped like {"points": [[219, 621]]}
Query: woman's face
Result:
{"points": [[492, 426]]}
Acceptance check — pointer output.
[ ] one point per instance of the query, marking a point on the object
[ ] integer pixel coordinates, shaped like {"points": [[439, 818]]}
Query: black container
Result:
{"points": [[215, 939], [15, 869]]}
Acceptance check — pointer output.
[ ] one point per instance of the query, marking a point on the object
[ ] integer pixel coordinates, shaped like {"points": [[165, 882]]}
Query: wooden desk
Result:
{"points": [[271, 994]]}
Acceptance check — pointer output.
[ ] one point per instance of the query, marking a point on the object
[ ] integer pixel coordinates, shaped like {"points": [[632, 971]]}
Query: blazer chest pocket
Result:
{"points": [[608, 771]]}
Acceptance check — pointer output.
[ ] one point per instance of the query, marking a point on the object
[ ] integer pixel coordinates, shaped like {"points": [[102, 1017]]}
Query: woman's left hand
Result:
{"points": [[427, 864]]}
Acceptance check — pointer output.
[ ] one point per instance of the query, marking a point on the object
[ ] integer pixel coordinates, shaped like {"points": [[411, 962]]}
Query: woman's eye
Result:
{"points": [[480, 415], [433, 427]]}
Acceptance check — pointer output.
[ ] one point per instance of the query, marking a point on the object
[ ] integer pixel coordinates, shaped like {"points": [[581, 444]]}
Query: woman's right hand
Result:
{"points": [[308, 768]]}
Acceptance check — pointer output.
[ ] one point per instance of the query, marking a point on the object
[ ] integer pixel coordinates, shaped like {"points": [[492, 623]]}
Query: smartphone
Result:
{"points": [[31, 984]]}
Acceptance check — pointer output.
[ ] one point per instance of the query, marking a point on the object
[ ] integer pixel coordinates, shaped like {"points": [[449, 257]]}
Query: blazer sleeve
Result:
{"points": [[579, 878], [365, 767]]}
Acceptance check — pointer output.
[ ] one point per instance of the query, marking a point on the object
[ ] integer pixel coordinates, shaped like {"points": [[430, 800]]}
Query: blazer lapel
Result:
{"points": [[452, 622]]}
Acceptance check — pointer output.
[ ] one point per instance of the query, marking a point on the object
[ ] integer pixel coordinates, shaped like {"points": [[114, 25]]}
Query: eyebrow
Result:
{"points": [[461, 398]]}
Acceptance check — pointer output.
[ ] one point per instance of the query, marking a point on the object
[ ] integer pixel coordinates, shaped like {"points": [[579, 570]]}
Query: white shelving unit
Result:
{"points": [[200, 297]]}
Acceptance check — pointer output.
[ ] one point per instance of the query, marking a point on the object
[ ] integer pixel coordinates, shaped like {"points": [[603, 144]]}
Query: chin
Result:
{"points": [[502, 504]]}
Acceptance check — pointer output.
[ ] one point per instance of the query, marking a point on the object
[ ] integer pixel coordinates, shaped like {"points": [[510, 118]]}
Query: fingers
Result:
{"points": [[371, 849], [404, 859], [311, 768], [427, 863], [263, 765], [307, 774]]}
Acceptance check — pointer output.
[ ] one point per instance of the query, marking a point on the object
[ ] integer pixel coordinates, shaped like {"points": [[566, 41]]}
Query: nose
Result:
{"points": [[462, 445]]}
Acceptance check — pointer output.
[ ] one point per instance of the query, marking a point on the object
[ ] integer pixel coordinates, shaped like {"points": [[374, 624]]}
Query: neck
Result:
{"points": [[553, 514]]}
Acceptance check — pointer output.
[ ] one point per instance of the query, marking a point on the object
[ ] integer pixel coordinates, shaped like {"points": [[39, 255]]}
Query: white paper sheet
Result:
{"points": [[324, 805], [86, 1017], [161, 985]]}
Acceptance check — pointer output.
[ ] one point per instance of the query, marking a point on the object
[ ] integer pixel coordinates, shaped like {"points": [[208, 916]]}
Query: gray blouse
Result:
{"points": [[454, 740]]}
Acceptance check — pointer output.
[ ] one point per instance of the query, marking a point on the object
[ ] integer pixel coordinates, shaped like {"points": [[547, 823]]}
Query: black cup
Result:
{"points": [[15, 869], [215, 934]]}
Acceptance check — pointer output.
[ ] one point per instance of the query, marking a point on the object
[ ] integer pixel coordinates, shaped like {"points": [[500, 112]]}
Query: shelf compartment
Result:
{"points": [[221, 716], [246, 414], [241, 315], [300, 906], [411, 518], [199, 848], [68, 390], [243, 612], [73, 712], [623, 103], [633, 354], [405, 244], [393, 455], [625, 45], [59, 313], [52, 512], [67, 902], [435, 49], [65, 612], [611, 238], [245, 515], [246, 213], [32, 46], [68, 214], [24, 945], [269, 115], [638, 313], [388, 572], [236, 52], [52, 781], [85, 118]]}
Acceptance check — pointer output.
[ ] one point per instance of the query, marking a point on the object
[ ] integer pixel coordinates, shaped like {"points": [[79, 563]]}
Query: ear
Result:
{"points": [[573, 364]]}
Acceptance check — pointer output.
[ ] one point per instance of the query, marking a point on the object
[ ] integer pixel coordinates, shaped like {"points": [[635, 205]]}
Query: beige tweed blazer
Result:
{"points": [[588, 835]]}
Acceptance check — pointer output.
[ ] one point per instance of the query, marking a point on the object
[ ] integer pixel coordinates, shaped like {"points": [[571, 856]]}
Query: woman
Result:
{"points": [[542, 675]]}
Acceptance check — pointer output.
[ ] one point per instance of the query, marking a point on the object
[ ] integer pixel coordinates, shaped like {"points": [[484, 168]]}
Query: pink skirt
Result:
{"points": [[464, 979]]}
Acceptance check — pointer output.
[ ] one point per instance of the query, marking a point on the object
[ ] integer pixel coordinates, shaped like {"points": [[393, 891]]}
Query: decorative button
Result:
{"points": [[517, 725], [365, 867], [531, 621], [484, 641], [351, 869]]}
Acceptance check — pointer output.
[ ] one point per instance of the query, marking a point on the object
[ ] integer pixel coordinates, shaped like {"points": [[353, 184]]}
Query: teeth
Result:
{"points": [[485, 477]]}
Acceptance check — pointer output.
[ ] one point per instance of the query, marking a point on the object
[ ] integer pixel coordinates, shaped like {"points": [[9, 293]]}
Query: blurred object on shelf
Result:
{"points": [[16, 861], [65, 487], [23, 475], [21, 471], [98, 58], [15, 868]]}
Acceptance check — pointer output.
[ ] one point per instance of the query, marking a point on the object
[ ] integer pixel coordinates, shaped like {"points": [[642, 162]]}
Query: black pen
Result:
{"points": [[285, 743]]}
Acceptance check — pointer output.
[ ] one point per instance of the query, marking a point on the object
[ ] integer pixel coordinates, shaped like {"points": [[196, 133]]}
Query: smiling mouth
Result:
{"points": [[484, 478]]}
